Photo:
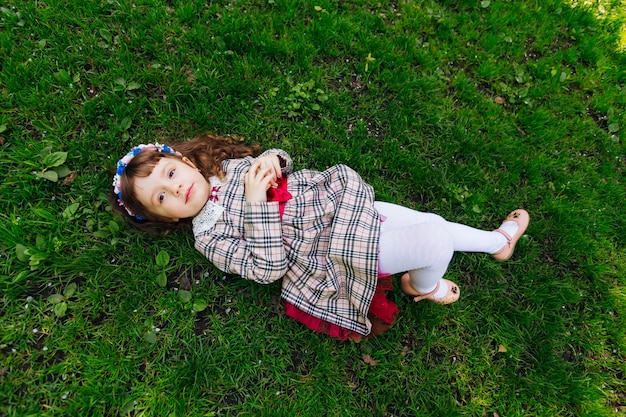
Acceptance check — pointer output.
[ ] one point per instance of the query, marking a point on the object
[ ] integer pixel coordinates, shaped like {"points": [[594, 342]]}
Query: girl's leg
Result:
{"points": [[423, 244], [464, 238], [424, 250]]}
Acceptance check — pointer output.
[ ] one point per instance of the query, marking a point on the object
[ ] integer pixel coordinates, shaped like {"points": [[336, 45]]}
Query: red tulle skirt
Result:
{"points": [[382, 313]]}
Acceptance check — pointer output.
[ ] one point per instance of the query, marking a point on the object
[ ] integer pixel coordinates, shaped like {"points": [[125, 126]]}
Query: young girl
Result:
{"points": [[334, 247]]}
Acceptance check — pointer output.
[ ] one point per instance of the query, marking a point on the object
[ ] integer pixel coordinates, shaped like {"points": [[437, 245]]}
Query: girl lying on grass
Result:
{"points": [[334, 247]]}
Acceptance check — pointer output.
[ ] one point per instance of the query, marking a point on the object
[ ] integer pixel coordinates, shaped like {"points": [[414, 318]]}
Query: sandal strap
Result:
{"points": [[505, 234], [432, 292]]}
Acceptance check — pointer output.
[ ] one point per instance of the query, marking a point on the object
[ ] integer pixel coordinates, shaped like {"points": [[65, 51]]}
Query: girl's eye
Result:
{"points": [[161, 197], [171, 173]]}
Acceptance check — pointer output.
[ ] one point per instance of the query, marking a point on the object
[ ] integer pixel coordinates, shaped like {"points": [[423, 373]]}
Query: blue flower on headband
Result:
{"points": [[123, 163]]}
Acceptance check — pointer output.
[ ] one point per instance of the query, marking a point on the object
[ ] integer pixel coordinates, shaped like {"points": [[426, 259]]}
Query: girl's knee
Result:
{"points": [[439, 240]]}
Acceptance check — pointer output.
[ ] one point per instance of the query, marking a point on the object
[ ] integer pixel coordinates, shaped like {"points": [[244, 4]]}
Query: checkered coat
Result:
{"points": [[325, 248]]}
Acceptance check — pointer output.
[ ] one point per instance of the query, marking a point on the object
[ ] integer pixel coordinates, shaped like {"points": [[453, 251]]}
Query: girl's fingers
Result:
{"points": [[261, 176], [276, 166], [257, 181], [272, 162]]}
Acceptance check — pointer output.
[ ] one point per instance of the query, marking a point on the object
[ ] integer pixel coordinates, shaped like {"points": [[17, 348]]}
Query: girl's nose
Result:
{"points": [[176, 188]]}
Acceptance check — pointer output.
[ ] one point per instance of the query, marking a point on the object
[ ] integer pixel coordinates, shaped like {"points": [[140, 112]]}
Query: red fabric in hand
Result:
{"points": [[279, 194]]}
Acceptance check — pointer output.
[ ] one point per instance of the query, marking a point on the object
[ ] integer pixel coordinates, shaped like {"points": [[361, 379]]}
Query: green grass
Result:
{"points": [[468, 109]]}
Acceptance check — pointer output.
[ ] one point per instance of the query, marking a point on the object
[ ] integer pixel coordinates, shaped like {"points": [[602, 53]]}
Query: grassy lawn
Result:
{"points": [[465, 108]]}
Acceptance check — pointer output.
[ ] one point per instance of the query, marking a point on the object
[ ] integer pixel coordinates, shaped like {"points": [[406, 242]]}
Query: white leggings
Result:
{"points": [[422, 244]]}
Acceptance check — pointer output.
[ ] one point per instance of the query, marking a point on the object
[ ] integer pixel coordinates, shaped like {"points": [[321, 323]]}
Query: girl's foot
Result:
{"points": [[438, 295], [512, 229]]}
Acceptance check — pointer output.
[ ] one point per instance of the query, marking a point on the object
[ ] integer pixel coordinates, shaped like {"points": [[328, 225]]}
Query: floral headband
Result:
{"points": [[123, 163]]}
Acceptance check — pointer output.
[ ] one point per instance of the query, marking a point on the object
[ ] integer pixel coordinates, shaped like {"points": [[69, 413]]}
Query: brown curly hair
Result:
{"points": [[206, 151]]}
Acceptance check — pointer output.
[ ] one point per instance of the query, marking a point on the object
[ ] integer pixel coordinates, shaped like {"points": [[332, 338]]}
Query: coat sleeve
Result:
{"points": [[259, 255]]}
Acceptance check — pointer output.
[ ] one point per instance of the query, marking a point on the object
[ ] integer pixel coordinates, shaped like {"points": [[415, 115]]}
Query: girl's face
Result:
{"points": [[175, 189]]}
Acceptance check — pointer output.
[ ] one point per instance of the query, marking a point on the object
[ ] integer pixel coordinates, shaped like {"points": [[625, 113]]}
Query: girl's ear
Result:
{"points": [[188, 162]]}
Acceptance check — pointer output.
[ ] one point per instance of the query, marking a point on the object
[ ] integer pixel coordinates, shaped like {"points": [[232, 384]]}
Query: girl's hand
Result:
{"points": [[261, 176], [273, 163]]}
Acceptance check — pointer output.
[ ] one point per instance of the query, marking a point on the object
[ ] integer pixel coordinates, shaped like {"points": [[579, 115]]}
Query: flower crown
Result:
{"points": [[123, 163]]}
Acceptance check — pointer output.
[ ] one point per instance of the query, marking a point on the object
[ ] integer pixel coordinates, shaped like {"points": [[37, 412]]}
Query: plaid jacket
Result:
{"points": [[325, 249]]}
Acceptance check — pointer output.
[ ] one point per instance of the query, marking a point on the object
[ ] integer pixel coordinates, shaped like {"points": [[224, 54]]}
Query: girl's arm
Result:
{"points": [[259, 255]]}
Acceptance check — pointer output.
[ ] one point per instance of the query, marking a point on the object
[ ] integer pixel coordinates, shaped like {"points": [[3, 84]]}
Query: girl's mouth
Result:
{"points": [[188, 194]]}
